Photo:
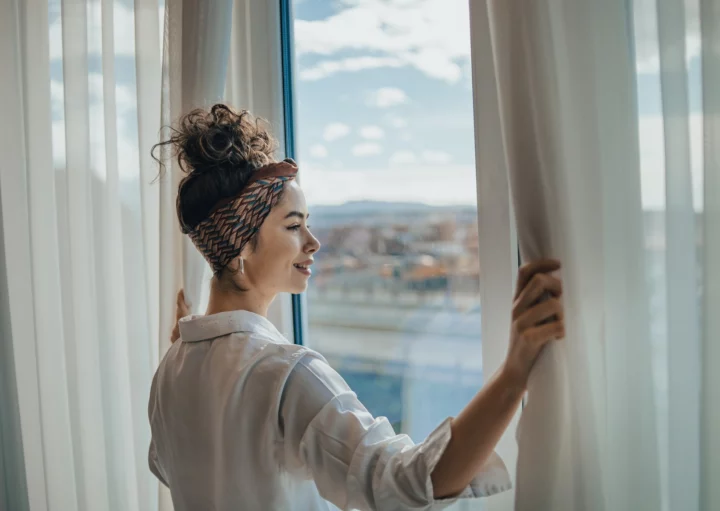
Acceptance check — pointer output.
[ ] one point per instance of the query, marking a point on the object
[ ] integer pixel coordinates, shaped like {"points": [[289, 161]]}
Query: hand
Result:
{"points": [[181, 310], [537, 317]]}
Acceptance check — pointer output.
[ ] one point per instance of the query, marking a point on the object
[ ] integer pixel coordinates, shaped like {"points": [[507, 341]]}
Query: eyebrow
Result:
{"points": [[297, 214]]}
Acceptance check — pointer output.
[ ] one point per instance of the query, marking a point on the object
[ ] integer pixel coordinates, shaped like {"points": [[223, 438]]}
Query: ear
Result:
{"points": [[237, 265]]}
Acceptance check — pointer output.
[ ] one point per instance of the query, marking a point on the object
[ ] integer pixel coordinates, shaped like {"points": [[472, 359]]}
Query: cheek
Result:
{"points": [[280, 251]]}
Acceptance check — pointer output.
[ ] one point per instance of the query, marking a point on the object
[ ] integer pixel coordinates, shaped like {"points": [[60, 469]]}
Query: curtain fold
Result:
{"points": [[82, 304], [92, 249], [602, 131], [18, 311], [546, 146], [195, 57], [710, 392], [681, 263], [497, 240]]}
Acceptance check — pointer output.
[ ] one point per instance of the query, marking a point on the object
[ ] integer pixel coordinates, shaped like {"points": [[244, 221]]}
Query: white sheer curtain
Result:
{"points": [[92, 251], [602, 108], [195, 58], [75, 194]]}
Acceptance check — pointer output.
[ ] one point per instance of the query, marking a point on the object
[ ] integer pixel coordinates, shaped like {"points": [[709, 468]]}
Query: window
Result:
{"points": [[384, 135]]}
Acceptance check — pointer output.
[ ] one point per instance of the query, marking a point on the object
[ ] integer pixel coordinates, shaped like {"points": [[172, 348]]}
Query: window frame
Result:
{"points": [[299, 301]]}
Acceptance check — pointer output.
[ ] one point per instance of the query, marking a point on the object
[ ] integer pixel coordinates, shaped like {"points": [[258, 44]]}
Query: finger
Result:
{"points": [[539, 313], [175, 335], [545, 333], [182, 308], [539, 285], [180, 300], [527, 272]]}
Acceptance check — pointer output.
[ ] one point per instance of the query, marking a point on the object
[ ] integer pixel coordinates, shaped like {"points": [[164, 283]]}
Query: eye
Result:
{"points": [[295, 227]]}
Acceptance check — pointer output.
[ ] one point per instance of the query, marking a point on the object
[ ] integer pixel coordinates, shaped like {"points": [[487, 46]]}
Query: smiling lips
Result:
{"points": [[304, 267]]}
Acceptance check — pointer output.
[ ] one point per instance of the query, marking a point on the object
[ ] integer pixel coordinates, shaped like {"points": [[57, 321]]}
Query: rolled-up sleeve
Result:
{"points": [[356, 460], [154, 464], [153, 461]]}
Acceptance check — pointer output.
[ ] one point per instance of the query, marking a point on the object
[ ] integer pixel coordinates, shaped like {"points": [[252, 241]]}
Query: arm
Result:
{"points": [[478, 428], [356, 460], [475, 432]]}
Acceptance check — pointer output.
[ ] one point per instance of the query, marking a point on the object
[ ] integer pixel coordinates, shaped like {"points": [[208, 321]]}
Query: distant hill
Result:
{"points": [[385, 213], [377, 212]]}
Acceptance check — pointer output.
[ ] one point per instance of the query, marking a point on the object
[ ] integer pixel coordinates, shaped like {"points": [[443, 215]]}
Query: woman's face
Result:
{"points": [[280, 261]]}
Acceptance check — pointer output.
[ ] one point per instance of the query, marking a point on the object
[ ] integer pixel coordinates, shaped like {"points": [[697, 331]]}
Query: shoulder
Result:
{"points": [[312, 372], [278, 364], [301, 367], [310, 386]]}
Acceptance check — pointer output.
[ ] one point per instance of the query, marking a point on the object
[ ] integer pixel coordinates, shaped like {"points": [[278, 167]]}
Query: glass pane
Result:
{"points": [[385, 143]]}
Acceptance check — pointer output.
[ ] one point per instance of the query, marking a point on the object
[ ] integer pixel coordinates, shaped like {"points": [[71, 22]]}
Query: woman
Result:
{"points": [[243, 419]]}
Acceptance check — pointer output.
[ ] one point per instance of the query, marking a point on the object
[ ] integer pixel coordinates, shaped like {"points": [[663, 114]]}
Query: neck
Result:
{"points": [[224, 298]]}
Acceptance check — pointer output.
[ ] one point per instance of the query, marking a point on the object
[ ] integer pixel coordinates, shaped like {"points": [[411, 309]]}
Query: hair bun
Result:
{"points": [[221, 139]]}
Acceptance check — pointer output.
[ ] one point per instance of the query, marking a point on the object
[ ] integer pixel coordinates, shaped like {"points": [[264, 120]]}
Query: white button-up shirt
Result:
{"points": [[242, 419]]}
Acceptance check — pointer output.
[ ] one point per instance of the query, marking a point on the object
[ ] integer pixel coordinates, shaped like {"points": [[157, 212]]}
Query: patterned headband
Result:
{"points": [[232, 223]]}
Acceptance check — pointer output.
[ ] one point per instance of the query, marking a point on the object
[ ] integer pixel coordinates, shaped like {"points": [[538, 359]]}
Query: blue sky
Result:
{"points": [[415, 54], [384, 132], [384, 98]]}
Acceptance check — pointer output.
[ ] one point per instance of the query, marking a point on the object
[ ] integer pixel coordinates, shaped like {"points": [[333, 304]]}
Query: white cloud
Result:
{"points": [[336, 131], [125, 96], [330, 67], [396, 122], [96, 139], [366, 149], [647, 48], [58, 144], [652, 161], [415, 180], [57, 92], [386, 97], [123, 32], [435, 64], [318, 151], [403, 158], [436, 157], [372, 132], [432, 36], [411, 183]]}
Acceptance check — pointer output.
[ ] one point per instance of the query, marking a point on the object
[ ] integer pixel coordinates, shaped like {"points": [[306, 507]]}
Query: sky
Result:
{"points": [[384, 101]]}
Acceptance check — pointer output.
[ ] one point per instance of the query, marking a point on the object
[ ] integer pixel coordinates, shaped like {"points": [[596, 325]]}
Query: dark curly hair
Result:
{"points": [[219, 149]]}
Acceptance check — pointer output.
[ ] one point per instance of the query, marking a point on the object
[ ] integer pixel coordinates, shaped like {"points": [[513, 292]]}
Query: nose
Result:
{"points": [[313, 245]]}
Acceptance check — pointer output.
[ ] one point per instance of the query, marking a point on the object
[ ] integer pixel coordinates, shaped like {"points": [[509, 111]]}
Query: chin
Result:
{"points": [[297, 288]]}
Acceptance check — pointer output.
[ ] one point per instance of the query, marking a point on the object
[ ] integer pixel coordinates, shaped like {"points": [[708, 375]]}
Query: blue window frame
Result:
{"points": [[286, 37]]}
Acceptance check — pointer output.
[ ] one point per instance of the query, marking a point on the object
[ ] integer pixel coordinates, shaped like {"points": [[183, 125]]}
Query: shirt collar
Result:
{"points": [[200, 328]]}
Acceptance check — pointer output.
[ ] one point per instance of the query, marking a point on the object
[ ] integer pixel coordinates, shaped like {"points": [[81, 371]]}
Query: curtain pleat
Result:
{"points": [[78, 277], [710, 414], [90, 104], [621, 414], [47, 330], [683, 313]]}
